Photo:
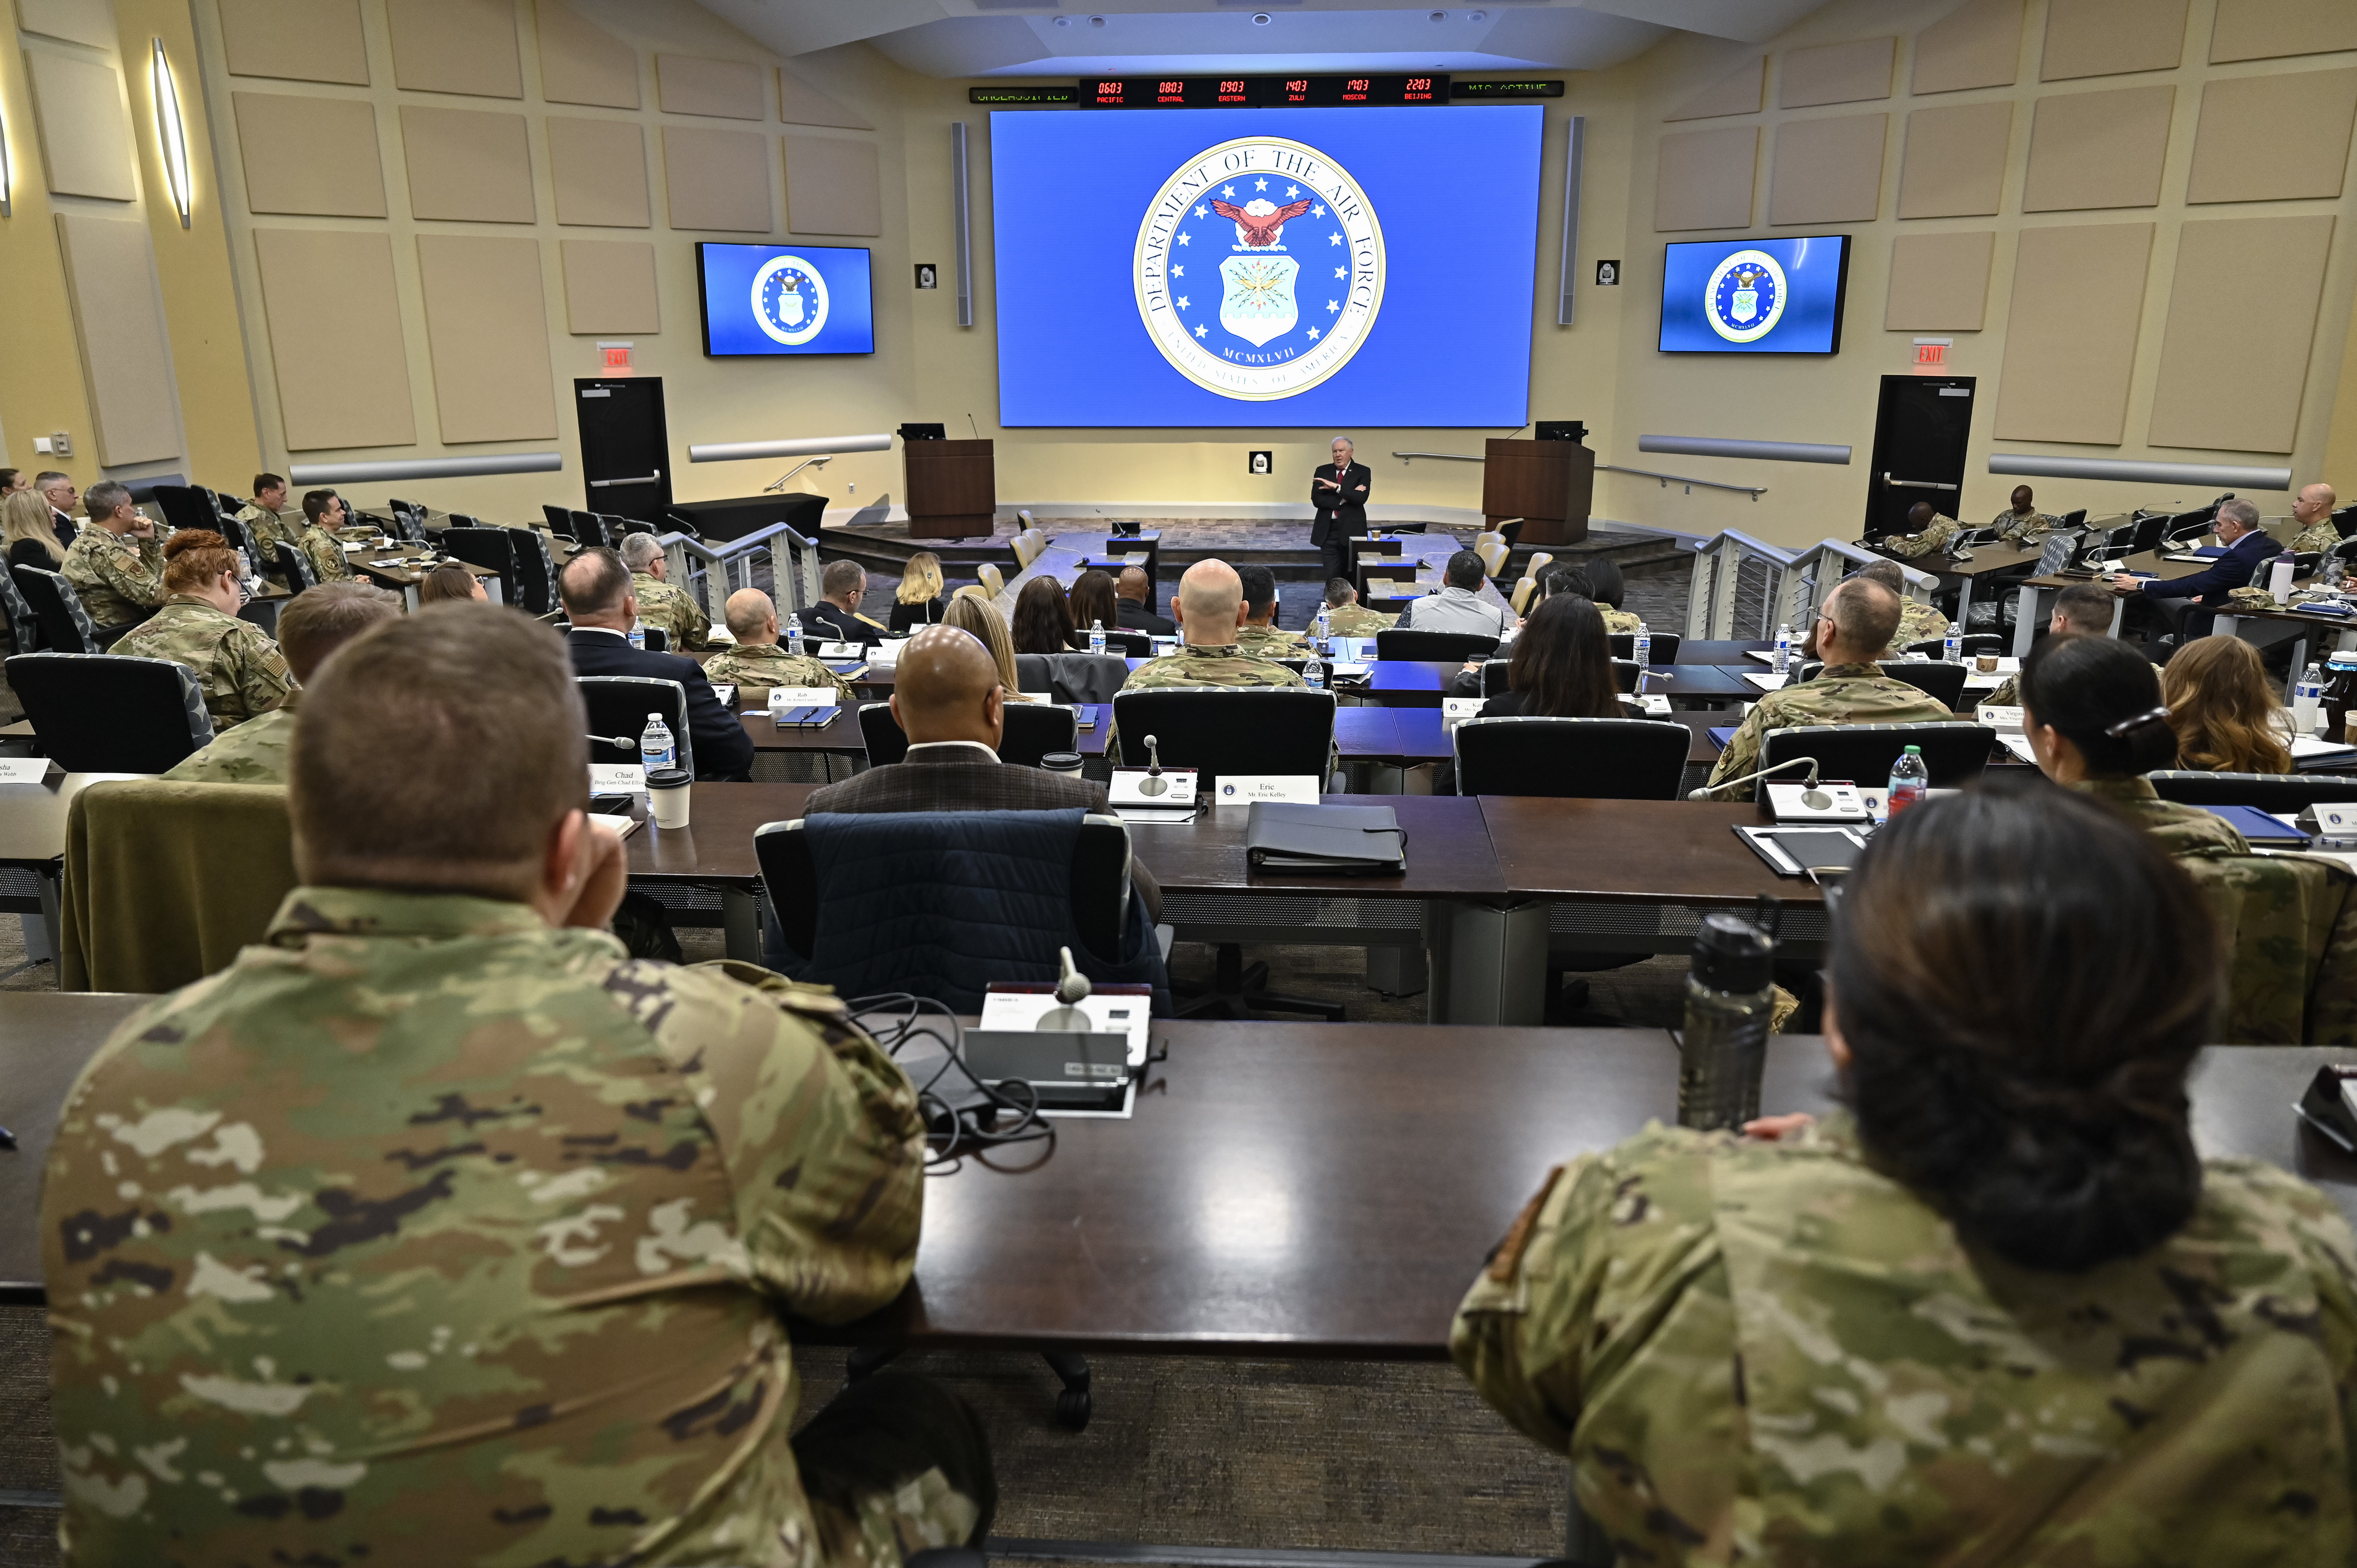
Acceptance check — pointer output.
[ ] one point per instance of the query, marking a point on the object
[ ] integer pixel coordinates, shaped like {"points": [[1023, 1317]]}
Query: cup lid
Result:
{"points": [[668, 778]]}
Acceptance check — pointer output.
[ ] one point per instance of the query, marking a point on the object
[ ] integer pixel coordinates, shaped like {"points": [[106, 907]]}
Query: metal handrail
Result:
{"points": [[1452, 456], [1775, 552], [1754, 491], [794, 581]]}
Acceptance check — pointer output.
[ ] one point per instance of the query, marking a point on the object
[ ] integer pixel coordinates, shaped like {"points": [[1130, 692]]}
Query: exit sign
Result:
{"points": [[617, 357], [1931, 353]]}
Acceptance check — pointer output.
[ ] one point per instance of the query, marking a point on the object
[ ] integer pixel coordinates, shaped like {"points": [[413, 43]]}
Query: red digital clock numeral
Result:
{"points": [[1109, 90], [1419, 84]]}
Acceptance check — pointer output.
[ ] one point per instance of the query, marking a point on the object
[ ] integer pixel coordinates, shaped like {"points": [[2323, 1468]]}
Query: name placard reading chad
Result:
{"points": [[617, 779]]}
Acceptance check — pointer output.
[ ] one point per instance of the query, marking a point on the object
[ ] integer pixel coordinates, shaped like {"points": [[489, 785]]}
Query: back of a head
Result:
{"points": [[1605, 586], [594, 582], [317, 622], [1563, 578], [488, 767], [921, 579], [2104, 697], [1562, 663], [316, 504], [102, 499], [2019, 1034], [1043, 621], [1211, 596], [2222, 709], [943, 674], [448, 581], [24, 515], [971, 613], [841, 577], [640, 551], [1340, 592], [1464, 570], [2239, 512], [2087, 607], [1886, 573], [1920, 516], [1865, 615], [1093, 601], [195, 558], [1259, 587], [1134, 583], [748, 613]]}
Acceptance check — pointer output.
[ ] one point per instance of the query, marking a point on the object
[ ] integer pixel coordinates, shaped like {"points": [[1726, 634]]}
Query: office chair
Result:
{"points": [[239, 536], [588, 528], [619, 706], [2267, 791], [1595, 759], [657, 639], [2186, 525], [464, 519], [1032, 731], [165, 882], [1493, 555], [535, 572], [1521, 597], [187, 506], [887, 742], [108, 713], [1497, 676], [1665, 645], [1124, 644], [24, 627], [1071, 677], [1941, 682], [295, 567], [2345, 519], [1953, 754], [560, 520], [408, 521], [493, 549], [2306, 564], [1439, 647], [994, 582], [1972, 645], [65, 626]]}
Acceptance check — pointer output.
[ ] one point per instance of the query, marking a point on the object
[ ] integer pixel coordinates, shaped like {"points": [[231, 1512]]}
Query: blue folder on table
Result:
{"points": [[2259, 828], [1723, 736]]}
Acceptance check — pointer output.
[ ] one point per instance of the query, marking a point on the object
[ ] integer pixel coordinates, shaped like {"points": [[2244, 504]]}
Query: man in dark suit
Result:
{"points": [[836, 617], [947, 698], [1131, 593], [1339, 491], [58, 489], [2189, 605], [596, 588]]}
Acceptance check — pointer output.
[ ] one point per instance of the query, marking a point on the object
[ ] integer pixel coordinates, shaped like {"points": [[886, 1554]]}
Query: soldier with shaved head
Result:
{"points": [[1210, 607], [757, 663]]}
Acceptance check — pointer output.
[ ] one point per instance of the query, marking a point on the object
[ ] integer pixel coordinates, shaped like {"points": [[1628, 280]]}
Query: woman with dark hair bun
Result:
{"points": [[1999, 1311]]}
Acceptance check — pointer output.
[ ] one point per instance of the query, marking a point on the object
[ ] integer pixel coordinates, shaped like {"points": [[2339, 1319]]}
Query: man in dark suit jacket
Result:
{"points": [[1339, 491], [58, 489], [946, 696], [1129, 607], [2189, 605], [596, 588], [836, 617]]}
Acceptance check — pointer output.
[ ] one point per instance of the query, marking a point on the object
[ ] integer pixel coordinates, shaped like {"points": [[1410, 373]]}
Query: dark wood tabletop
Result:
{"points": [[716, 845], [1645, 851], [1448, 853], [45, 1039], [1735, 652]]}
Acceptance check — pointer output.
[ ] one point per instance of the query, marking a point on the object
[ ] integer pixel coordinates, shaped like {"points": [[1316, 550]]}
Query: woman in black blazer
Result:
{"points": [[920, 600], [1562, 666], [1339, 491]]}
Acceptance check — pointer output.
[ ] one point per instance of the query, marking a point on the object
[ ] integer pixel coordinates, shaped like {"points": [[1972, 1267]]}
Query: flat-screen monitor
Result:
{"points": [[1335, 268], [1754, 296], [785, 299]]}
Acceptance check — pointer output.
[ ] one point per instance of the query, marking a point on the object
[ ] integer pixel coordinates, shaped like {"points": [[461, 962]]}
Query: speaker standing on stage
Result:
{"points": [[1339, 491]]}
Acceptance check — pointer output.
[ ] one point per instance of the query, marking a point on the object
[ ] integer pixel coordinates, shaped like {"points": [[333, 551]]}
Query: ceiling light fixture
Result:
{"points": [[171, 135]]}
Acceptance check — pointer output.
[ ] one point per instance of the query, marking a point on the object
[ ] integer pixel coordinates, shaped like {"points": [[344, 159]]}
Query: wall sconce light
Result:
{"points": [[171, 135]]}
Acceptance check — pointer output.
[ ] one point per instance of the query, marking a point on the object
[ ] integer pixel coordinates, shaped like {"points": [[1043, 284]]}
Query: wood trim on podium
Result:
{"points": [[1550, 485], [953, 489]]}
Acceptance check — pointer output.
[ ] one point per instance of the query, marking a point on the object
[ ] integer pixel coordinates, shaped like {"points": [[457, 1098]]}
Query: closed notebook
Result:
{"points": [[2258, 828], [1341, 840]]}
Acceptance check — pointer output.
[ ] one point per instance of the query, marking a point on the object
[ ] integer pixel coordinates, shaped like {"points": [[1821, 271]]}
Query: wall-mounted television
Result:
{"points": [[760, 300], [1754, 296]]}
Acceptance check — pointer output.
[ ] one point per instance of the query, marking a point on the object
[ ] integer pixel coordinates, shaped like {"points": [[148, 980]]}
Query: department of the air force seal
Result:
{"points": [[1259, 268], [1745, 296], [789, 299]]}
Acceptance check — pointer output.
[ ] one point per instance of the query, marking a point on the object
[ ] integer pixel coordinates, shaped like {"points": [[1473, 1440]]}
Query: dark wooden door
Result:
{"points": [[1919, 436], [625, 447]]}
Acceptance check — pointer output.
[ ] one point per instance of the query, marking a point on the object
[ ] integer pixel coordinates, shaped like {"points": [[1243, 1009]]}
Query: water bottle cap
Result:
{"points": [[1914, 751], [1732, 954]]}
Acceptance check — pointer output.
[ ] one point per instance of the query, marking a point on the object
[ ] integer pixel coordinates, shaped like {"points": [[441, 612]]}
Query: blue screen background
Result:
{"points": [[1455, 189], [1813, 268], [730, 327]]}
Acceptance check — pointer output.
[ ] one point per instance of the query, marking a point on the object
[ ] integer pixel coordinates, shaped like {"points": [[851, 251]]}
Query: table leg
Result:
{"points": [[1488, 964], [53, 917], [2025, 621], [1965, 603], [741, 918]]}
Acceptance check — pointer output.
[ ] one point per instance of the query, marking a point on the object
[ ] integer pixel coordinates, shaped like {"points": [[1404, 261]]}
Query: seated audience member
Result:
{"points": [[596, 589], [2189, 605], [836, 617], [973, 614], [1211, 605], [114, 563], [2224, 713], [2083, 609], [1346, 616], [239, 669], [1929, 529], [2312, 513], [13, 480], [324, 512], [1918, 622], [1562, 667], [1133, 588], [2022, 523], [58, 489], [1998, 1309], [949, 701], [1042, 621], [917, 600], [313, 624], [530, 1212], [1854, 624], [266, 515], [1258, 634], [25, 525], [448, 581], [756, 663], [663, 603], [2091, 709], [1608, 589], [1092, 604], [1458, 606]]}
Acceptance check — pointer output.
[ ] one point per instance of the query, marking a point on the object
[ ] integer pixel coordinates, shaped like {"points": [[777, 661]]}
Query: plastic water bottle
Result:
{"points": [[1096, 638], [1642, 647], [1783, 649], [1313, 672], [638, 636], [793, 633], [1723, 1051], [1325, 630], [2305, 699], [1909, 780], [1951, 648], [655, 748]]}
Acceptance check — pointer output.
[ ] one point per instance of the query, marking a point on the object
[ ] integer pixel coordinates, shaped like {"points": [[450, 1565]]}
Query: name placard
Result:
{"points": [[617, 779], [1293, 789], [23, 769], [803, 697]]}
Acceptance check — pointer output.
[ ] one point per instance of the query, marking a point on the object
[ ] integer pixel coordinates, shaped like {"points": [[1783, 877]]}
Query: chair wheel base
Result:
{"points": [[1072, 1409]]}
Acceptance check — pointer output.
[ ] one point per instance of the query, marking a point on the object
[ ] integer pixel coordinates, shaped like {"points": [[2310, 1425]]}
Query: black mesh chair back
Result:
{"points": [[1449, 647], [2075, 519], [66, 627], [2267, 791], [1123, 644], [2147, 534], [1217, 730], [1494, 677], [560, 519], [1071, 677], [24, 626], [295, 567], [657, 639], [187, 506], [1953, 754], [619, 706], [617, 527], [1972, 645], [1594, 759], [1034, 729], [1941, 682], [2345, 519], [408, 521], [493, 548], [2306, 564], [887, 743], [2186, 525], [461, 519], [535, 572], [1664, 651], [1626, 673], [105, 713], [588, 528], [240, 537]]}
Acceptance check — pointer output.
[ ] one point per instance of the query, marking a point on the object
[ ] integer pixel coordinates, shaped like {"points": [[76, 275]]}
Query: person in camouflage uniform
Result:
{"points": [[1931, 533], [2083, 609], [1208, 605], [1854, 624], [265, 517], [325, 512], [438, 1227], [313, 624], [1997, 1311], [1346, 616], [114, 563], [660, 602], [1258, 634], [757, 663], [2021, 524], [2312, 513], [1918, 622], [239, 669]]}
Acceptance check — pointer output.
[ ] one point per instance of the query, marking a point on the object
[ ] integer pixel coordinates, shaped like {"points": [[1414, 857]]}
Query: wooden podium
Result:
{"points": [[1547, 484], [953, 489]]}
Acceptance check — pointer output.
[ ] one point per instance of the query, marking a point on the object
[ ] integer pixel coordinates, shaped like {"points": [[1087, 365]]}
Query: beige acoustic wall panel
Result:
{"points": [[2274, 138], [118, 325], [717, 179], [1976, 44], [313, 156], [802, 104], [466, 165], [582, 64], [2109, 37], [609, 286], [296, 40], [1743, 90], [1828, 171], [335, 346], [2271, 29], [88, 22], [600, 171], [2071, 334], [832, 186], [1954, 162], [1835, 73], [2098, 149], [85, 134], [1701, 179], [487, 327], [2242, 317], [1939, 283], [456, 46], [725, 89]]}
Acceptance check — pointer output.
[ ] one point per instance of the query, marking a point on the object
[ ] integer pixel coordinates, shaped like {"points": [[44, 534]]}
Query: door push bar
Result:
{"points": [[657, 476], [1915, 484]]}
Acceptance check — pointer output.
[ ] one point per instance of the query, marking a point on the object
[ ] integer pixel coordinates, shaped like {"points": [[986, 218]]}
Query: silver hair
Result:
{"points": [[1345, 441], [102, 499], [640, 551], [2241, 511]]}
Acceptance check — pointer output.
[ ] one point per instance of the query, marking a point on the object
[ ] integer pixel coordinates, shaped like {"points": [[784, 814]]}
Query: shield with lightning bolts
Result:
{"points": [[1258, 304]]}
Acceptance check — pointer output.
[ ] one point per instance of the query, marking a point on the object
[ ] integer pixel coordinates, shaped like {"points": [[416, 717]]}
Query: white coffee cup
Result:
{"points": [[667, 795]]}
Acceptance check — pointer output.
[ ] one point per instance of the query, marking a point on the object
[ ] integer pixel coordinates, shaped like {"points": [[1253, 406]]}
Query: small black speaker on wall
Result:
{"points": [[1562, 430]]}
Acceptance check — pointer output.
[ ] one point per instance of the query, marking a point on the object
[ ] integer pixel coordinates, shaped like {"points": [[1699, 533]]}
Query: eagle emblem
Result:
{"points": [[1258, 223]]}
